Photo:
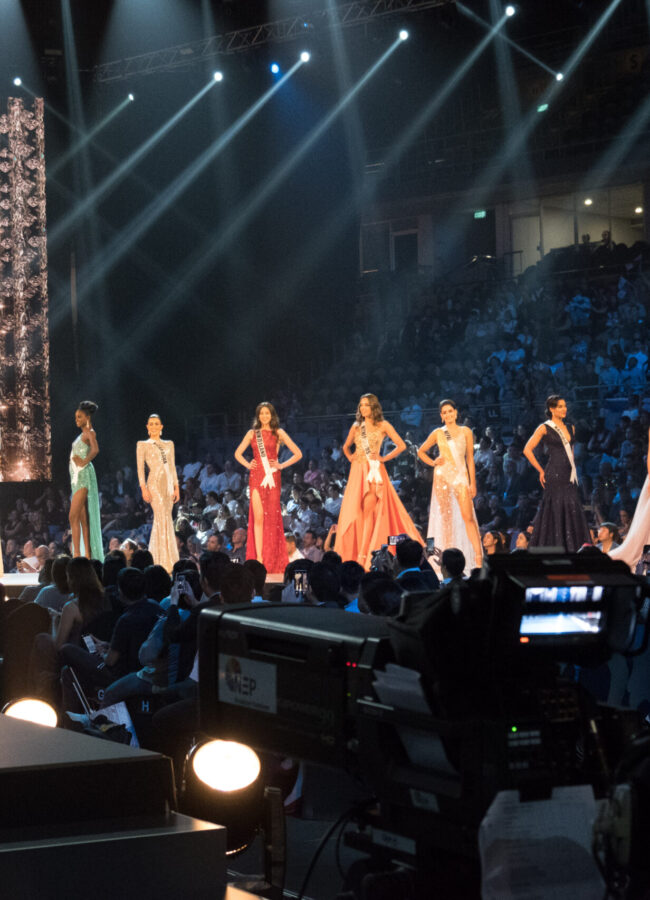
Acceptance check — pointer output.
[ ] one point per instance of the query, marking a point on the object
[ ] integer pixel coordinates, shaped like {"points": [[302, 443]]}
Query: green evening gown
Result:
{"points": [[85, 478]]}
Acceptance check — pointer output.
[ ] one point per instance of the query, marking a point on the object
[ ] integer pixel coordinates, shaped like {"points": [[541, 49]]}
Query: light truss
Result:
{"points": [[184, 55]]}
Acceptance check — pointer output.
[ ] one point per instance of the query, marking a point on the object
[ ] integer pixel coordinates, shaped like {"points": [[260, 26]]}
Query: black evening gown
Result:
{"points": [[560, 521]]}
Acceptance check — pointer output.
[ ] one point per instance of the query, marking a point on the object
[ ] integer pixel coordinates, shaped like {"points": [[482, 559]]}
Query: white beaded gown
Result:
{"points": [[450, 480], [158, 456]]}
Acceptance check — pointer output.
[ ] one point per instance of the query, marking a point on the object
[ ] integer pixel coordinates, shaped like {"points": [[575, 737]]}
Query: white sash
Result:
{"points": [[268, 481], [165, 462], [374, 473], [567, 450], [454, 449]]}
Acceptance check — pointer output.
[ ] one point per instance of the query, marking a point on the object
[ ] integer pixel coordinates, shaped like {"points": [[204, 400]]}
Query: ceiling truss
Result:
{"points": [[184, 55]]}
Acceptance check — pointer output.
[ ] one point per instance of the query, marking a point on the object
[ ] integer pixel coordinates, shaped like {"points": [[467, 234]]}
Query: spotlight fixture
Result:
{"points": [[218, 76], [588, 201], [32, 710], [638, 210], [222, 783], [275, 68], [18, 81], [305, 56], [403, 34], [131, 97], [542, 107], [510, 10], [559, 76]]}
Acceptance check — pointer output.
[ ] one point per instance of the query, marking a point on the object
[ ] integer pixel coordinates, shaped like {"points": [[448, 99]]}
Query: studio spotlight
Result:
{"points": [[305, 56], [18, 81], [218, 76], [638, 210], [275, 68], [223, 784], [588, 201], [510, 11], [131, 97], [31, 710], [559, 76], [403, 34]]}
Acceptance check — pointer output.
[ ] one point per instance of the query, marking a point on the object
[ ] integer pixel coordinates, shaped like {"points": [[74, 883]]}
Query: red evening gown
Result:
{"points": [[274, 548]]}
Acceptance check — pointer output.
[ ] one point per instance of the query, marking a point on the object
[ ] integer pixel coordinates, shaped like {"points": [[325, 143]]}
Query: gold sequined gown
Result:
{"points": [[390, 516], [158, 457], [451, 480]]}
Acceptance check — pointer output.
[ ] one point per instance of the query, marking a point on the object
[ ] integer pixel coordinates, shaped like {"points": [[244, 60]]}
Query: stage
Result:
{"points": [[15, 582]]}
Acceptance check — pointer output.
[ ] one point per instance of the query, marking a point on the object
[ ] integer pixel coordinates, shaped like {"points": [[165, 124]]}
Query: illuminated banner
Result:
{"points": [[25, 437]]}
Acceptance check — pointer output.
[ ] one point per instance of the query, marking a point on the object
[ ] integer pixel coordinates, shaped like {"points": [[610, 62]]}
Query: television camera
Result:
{"points": [[472, 690]]}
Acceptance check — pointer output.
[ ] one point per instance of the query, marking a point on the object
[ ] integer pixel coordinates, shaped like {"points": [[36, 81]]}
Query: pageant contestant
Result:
{"points": [[160, 489], [85, 523], [560, 521], [265, 540], [631, 550], [371, 509], [452, 520]]}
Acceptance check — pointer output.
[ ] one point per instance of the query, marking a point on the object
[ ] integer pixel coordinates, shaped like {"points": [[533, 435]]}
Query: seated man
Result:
{"points": [[411, 575]]}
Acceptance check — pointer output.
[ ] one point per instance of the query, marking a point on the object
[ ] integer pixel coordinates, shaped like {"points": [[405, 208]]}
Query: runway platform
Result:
{"points": [[16, 581]]}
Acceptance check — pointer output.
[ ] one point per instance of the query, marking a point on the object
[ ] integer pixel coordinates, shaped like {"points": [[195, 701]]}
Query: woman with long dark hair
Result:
{"points": [[452, 519], [371, 511], [85, 522], [265, 541], [160, 490], [560, 521]]}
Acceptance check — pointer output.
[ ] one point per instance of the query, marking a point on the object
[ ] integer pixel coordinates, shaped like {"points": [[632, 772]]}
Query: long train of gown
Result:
{"points": [[85, 477], [390, 515], [274, 546], [560, 521], [446, 524], [631, 550], [161, 480]]}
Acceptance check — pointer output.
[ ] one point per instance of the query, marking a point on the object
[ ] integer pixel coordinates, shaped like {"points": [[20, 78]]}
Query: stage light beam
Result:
{"points": [[559, 76], [92, 199], [305, 56], [218, 76], [510, 11], [275, 68], [403, 35], [126, 239], [130, 98]]}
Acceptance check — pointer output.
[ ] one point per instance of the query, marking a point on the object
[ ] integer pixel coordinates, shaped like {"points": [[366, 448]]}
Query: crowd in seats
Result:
{"points": [[497, 349]]}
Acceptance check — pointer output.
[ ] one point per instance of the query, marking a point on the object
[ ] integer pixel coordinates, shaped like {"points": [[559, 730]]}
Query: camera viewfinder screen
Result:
{"points": [[562, 610]]}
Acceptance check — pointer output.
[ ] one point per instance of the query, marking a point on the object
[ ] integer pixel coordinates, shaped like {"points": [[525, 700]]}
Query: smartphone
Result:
{"points": [[431, 543], [300, 583], [394, 539], [91, 647], [235, 559]]}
